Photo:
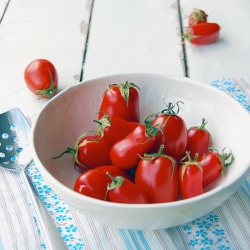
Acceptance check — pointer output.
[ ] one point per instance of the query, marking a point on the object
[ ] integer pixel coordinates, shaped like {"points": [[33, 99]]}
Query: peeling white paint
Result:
{"points": [[84, 27], [133, 36], [34, 29], [89, 5], [77, 78]]}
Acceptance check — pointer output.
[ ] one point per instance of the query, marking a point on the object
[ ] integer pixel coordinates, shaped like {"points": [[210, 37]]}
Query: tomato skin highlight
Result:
{"points": [[199, 140], [125, 152], [93, 182], [121, 100], [173, 136], [127, 192], [211, 166], [196, 17], [190, 181], [202, 33], [93, 152], [89, 152], [158, 178], [41, 78]]}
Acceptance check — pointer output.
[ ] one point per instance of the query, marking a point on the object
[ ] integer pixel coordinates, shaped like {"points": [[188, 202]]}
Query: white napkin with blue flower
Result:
{"points": [[226, 227]]}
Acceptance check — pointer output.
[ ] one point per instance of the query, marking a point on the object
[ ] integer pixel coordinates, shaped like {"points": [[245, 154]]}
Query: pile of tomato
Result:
{"points": [[154, 161], [200, 31]]}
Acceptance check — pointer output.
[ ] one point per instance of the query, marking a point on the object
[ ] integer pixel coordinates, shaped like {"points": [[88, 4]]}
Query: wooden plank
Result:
{"points": [[31, 29], [3, 4], [134, 36], [229, 56]]}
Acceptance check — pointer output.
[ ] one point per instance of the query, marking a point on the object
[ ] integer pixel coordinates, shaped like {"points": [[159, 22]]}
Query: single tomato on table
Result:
{"points": [[41, 78], [202, 33], [121, 100]]}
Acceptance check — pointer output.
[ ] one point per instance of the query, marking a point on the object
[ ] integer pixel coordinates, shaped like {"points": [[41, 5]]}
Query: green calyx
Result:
{"points": [[102, 124], [49, 92], [116, 181], [69, 150], [187, 36], [124, 89], [226, 159], [170, 109], [151, 130], [189, 162], [198, 15], [74, 151], [203, 124], [150, 157]]}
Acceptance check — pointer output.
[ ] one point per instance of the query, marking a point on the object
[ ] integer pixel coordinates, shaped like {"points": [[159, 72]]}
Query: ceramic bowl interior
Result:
{"points": [[70, 113]]}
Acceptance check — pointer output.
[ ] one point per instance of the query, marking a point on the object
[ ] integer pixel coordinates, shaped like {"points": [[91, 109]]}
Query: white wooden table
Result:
{"points": [[86, 39], [142, 35], [90, 38]]}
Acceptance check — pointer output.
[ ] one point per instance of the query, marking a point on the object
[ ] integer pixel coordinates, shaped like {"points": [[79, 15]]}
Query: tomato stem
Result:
{"points": [[49, 92], [170, 108], [160, 151], [188, 36], [150, 129], [74, 151], [67, 151], [203, 124], [150, 157], [102, 124], [116, 181], [98, 122]]}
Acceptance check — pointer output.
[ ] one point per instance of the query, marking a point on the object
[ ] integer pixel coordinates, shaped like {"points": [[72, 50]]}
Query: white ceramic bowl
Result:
{"points": [[70, 114]]}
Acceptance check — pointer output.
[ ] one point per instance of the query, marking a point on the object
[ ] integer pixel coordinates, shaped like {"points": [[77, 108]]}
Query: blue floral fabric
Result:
{"points": [[234, 90], [58, 210]]}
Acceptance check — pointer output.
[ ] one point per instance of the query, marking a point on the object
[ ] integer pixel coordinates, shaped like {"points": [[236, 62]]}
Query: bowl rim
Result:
{"points": [[94, 201]]}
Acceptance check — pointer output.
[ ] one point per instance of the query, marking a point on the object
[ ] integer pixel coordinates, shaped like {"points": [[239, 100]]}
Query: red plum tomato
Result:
{"points": [[41, 78]]}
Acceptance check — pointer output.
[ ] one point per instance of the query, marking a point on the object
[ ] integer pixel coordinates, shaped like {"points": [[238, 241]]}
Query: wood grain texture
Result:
{"points": [[134, 36], [123, 36], [3, 5], [31, 29], [229, 56]]}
